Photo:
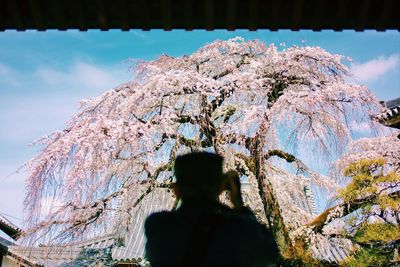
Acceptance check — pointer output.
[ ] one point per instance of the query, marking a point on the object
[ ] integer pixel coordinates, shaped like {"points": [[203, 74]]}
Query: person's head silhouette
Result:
{"points": [[203, 231], [199, 176]]}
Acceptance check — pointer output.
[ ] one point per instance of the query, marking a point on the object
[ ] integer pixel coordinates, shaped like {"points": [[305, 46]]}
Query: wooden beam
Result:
{"points": [[386, 8], [142, 10], [362, 17], [231, 15], [167, 15], [102, 15], [253, 15], [209, 15], [199, 14], [35, 9], [188, 15], [58, 21], [297, 14], [340, 13], [274, 15], [319, 13], [125, 15], [15, 12], [80, 16]]}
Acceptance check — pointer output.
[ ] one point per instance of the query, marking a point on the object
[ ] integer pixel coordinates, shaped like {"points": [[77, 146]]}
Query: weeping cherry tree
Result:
{"points": [[232, 97]]}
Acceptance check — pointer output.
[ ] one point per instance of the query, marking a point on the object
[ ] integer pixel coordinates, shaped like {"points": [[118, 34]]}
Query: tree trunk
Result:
{"points": [[269, 199]]}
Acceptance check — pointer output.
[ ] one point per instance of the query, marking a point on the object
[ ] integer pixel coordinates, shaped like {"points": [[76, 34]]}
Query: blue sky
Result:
{"points": [[43, 75]]}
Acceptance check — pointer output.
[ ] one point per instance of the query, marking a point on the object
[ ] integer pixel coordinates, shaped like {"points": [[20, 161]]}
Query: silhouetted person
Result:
{"points": [[202, 231]]}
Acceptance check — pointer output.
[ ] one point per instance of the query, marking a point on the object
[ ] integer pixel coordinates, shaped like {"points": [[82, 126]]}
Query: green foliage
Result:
{"points": [[366, 174], [371, 193], [366, 257], [369, 182], [298, 254], [377, 233]]}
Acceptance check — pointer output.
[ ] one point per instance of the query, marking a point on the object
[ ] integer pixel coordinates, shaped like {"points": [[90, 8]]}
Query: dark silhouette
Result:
{"points": [[202, 231]]}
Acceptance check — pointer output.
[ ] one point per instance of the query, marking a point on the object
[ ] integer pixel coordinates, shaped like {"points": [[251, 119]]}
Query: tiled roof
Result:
{"points": [[393, 103], [391, 117], [6, 249], [9, 228], [331, 249], [134, 240], [46, 256], [4, 244]]}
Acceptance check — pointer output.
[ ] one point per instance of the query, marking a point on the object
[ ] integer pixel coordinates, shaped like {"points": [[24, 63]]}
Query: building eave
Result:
{"points": [[199, 14], [9, 228], [391, 117]]}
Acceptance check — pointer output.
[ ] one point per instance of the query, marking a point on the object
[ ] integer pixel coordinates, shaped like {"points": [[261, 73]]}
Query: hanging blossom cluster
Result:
{"points": [[386, 147], [231, 97]]}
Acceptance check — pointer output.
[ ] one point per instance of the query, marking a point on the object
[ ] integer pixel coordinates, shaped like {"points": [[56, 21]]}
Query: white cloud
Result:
{"points": [[7, 76], [26, 119], [140, 34], [375, 68], [12, 193], [34, 103], [46, 98], [83, 76], [4, 70]]}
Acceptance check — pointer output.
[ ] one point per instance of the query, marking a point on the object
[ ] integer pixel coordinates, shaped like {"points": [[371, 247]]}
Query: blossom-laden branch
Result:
{"points": [[386, 147]]}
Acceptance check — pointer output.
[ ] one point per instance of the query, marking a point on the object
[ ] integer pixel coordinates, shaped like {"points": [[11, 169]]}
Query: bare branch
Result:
{"points": [[288, 157]]}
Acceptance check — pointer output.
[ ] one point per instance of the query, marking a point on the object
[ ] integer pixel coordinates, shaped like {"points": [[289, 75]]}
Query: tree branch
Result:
{"points": [[227, 71], [344, 209], [288, 157]]}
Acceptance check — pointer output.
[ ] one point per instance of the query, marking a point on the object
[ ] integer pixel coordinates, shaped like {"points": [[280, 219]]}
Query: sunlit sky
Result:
{"points": [[43, 75]]}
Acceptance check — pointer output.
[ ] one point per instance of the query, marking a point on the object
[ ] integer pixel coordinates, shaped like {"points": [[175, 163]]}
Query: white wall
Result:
{"points": [[8, 262]]}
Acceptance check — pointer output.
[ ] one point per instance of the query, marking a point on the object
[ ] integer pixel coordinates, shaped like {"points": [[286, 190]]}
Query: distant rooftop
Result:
{"points": [[9, 228], [391, 117], [393, 103]]}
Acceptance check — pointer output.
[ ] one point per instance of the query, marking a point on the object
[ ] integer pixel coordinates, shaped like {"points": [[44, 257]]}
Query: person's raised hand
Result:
{"points": [[232, 184]]}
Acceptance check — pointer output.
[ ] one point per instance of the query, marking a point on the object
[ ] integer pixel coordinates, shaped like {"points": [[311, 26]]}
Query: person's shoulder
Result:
{"points": [[247, 221], [157, 218], [242, 214], [246, 212]]}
